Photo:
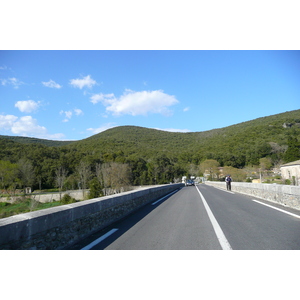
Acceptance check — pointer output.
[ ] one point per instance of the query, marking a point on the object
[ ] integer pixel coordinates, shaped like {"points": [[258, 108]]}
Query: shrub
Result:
{"points": [[67, 199], [95, 189]]}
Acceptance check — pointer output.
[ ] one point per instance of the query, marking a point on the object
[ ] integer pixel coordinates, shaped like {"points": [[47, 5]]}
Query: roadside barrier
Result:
{"points": [[62, 226], [286, 195]]}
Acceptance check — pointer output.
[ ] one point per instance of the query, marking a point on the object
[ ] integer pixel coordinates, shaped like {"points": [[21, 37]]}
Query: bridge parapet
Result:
{"points": [[286, 195], [62, 226]]}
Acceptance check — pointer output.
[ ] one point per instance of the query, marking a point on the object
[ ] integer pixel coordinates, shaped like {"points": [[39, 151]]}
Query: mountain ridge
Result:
{"points": [[288, 116]]}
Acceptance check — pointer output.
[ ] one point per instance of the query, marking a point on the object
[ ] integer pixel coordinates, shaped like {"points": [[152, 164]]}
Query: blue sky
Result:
{"points": [[71, 95]]}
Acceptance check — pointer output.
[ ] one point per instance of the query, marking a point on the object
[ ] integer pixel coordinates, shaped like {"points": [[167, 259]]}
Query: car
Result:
{"points": [[189, 183]]}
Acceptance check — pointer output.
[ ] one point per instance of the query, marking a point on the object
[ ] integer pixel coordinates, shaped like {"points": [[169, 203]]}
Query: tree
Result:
{"points": [[113, 175], [237, 175], [210, 166], [26, 172], [8, 176], [96, 189], [84, 172], [121, 174], [293, 151], [265, 163], [103, 173], [61, 174]]}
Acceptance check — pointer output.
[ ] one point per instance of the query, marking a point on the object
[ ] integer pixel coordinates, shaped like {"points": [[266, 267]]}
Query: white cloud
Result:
{"points": [[52, 84], [186, 109], [85, 81], [12, 81], [26, 126], [104, 98], [137, 103], [78, 112], [69, 113], [102, 128], [174, 130], [27, 106], [7, 121]]}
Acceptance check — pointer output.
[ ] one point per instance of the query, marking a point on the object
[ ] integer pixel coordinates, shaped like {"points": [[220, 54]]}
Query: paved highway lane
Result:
{"points": [[249, 225], [200, 218]]}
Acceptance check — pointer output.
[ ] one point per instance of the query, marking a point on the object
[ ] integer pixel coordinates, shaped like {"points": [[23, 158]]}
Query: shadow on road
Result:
{"points": [[123, 225]]}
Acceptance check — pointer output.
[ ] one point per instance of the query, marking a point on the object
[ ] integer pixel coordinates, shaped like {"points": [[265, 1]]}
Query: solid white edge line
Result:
{"points": [[164, 197], [219, 232], [284, 211], [100, 239]]}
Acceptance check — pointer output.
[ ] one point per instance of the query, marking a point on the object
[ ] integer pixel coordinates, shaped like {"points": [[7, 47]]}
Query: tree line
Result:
{"points": [[131, 155]]}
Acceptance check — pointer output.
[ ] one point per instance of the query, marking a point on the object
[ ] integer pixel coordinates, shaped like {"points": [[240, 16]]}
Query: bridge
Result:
{"points": [[171, 217], [202, 217]]}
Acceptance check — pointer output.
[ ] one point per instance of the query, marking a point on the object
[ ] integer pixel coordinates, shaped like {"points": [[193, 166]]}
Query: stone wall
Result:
{"points": [[283, 194], [47, 197], [62, 226], [291, 172]]}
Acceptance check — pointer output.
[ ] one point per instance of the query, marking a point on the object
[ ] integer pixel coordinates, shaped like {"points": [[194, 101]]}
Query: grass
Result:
{"points": [[26, 205]]}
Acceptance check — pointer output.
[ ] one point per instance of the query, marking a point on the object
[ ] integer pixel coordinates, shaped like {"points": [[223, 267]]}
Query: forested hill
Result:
{"points": [[30, 140], [237, 145], [167, 154]]}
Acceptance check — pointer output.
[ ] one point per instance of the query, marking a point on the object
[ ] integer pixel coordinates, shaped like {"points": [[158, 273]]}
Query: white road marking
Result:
{"points": [[284, 211], [100, 239], [219, 232], [164, 197]]}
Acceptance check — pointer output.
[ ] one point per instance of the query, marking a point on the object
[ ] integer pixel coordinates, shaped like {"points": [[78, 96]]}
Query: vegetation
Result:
{"points": [[23, 206], [131, 155]]}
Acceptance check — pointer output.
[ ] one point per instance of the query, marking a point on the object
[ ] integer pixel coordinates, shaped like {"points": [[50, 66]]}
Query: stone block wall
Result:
{"points": [[62, 226], [283, 194]]}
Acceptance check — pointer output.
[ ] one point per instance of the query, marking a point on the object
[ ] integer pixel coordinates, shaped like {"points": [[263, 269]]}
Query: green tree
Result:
{"points": [[293, 151], [265, 163], [8, 176], [96, 189]]}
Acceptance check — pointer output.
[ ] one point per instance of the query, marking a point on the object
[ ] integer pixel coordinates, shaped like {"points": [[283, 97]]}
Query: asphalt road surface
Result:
{"points": [[202, 218]]}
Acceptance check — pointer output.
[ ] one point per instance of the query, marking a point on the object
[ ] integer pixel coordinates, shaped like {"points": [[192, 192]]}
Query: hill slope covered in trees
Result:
{"points": [[156, 156], [237, 145]]}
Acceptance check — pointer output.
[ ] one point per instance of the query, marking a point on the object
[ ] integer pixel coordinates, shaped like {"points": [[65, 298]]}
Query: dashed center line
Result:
{"points": [[100, 239], [164, 197]]}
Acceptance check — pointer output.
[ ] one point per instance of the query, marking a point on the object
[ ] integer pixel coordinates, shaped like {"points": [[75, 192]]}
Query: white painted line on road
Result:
{"points": [[284, 211], [219, 232], [164, 197], [100, 239]]}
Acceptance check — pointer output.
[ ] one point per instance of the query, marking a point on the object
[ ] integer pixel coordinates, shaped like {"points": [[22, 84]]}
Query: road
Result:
{"points": [[202, 218]]}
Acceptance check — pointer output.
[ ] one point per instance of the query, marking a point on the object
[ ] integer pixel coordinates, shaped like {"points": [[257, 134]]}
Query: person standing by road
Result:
{"points": [[228, 182]]}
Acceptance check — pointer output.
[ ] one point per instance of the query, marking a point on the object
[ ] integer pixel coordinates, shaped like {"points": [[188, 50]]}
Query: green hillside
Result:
{"points": [[29, 140], [237, 145], [153, 156]]}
